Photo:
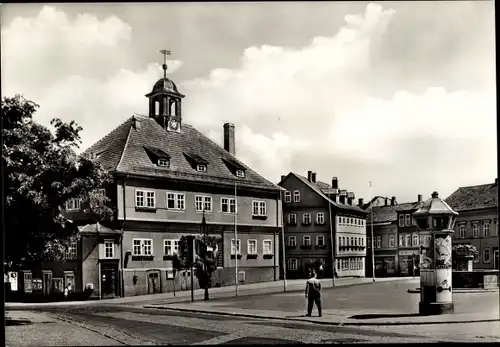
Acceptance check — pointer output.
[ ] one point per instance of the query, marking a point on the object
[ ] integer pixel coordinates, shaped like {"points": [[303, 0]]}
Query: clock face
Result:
{"points": [[173, 124]]}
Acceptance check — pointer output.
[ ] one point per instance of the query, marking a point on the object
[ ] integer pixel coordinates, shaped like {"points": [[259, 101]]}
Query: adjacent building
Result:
{"points": [[313, 212], [166, 175], [396, 239], [477, 221]]}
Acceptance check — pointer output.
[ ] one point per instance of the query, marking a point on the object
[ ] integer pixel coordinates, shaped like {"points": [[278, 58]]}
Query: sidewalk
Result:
{"points": [[222, 292], [374, 305]]}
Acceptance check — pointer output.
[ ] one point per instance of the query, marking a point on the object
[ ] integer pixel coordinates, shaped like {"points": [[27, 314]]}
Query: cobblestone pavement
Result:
{"points": [[41, 329]]}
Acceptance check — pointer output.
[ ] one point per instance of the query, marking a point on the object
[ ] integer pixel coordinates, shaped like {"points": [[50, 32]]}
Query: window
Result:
{"points": [[486, 255], [401, 220], [163, 162], [306, 218], [362, 241], [414, 240], [288, 197], [293, 264], [109, 249], [407, 240], [345, 264], [71, 251], [201, 168], [486, 229], [320, 218], [362, 222], [401, 240], [292, 241], [57, 285], [259, 208], [379, 242], [475, 230], [228, 205], [407, 220], [37, 284], [356, 241], [252, 247], [391, 241], [267, 248], [175, 201], [73, 204], [296, 196], [292, 219], [340, 241], [476, 258], [306, 241], [413, 221], [203, 203], [461, 231], [320, 241], [240, 173], [170, 247], [28, 282], [350, 221], [235, 247], [145, 198], [142, 246]]}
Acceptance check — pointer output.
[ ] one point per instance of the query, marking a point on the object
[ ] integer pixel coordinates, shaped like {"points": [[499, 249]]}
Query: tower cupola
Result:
{"points": [[165, 100]]}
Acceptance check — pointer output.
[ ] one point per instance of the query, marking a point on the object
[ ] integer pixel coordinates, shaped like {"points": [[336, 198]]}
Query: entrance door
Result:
{"points": [[154, 282], [109, 282], [47, 283]]}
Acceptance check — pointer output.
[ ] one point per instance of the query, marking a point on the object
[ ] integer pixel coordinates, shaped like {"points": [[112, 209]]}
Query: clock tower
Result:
{"points": [[165, 101]]}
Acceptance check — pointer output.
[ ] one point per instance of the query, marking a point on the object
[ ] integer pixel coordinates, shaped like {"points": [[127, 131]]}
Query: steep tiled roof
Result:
{"points": [[320, 187], [124, 150], [389, 213], [474, 197]]}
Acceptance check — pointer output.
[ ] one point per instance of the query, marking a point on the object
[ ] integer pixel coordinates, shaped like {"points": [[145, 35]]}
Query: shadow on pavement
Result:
{"points": [[15, 322], [260, 341], [382, 315]]}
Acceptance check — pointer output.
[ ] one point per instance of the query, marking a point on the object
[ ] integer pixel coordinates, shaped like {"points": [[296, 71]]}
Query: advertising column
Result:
{"points": [[443, 270]]}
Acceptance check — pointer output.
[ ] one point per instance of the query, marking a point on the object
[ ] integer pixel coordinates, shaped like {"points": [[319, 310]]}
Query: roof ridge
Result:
{"points": [[107, 136], [124, 147], [478, 185]]}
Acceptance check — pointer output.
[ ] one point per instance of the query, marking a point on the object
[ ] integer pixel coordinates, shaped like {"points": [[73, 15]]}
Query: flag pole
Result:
{"points": [[332, 240], [373, 240], [235, 239]]}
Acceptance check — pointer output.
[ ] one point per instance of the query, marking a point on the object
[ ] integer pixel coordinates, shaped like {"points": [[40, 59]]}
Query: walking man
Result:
{"points": [[313, 294]]}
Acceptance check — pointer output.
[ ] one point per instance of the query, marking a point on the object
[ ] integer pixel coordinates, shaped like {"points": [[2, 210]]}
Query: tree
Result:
{"points": [[41, 173], [206, 249]]}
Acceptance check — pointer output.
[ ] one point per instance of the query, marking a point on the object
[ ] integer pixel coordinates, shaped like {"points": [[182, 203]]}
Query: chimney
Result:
{"points": [[136, 123], [393, 201], [360, 202], [229, 139], [420, 198], [309, 175], [335, 182], [349, 201], [386, 202], [282, 177], [496, 181], [313, 177]]}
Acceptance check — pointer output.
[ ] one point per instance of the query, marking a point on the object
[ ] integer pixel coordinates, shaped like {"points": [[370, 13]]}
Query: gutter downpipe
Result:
{"points": [[121, 243]]}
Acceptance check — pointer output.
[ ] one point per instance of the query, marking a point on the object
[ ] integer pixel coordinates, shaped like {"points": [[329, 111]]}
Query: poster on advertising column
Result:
{"points": [[442, 249], [443, 285], [427, 253]]}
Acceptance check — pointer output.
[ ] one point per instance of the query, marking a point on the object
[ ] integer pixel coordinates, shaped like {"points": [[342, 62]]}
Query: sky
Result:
{"points": [[399, 94]]}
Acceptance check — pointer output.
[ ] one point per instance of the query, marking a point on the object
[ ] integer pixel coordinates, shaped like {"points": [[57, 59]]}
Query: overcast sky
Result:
{"points": [[398, 93]]}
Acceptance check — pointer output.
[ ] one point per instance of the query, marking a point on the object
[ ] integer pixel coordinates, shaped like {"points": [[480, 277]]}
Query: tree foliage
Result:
{"points": [[41, 172]]}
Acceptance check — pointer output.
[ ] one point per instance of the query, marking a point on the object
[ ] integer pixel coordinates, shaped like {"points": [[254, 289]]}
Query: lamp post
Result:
{"points": [[436, 218], [371, 233]]}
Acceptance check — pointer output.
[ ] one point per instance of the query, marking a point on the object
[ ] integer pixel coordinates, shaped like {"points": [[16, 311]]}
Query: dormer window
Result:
{"points": [[236, 169], [163, 162], [157, 156], [201, 168]]}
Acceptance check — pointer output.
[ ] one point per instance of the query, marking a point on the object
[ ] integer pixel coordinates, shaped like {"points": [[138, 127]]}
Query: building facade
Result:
{"points": [[166, 176], [313, 212], [477, 221], [395, 238]]}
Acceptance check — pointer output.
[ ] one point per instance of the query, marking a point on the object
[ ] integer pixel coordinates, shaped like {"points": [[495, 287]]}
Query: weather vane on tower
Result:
{"points": [[165, 53]]}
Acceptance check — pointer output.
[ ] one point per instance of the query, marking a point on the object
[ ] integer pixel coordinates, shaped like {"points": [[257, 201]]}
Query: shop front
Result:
{"points": [[408, 263], [385, 266]]}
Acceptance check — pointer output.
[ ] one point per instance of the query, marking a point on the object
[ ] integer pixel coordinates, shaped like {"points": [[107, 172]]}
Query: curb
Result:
{"points": [[461, 291], [344, 323]]}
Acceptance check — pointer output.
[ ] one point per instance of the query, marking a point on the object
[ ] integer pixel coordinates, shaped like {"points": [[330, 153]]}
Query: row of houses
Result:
{"points": [[167, 175]]}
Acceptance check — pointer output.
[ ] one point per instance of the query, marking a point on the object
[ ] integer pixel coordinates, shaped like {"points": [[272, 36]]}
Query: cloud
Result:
{"points": [[315, 107]]}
